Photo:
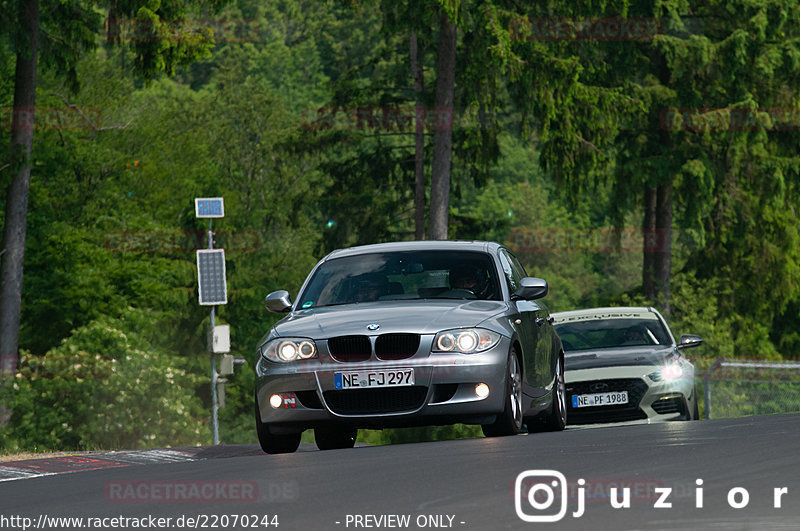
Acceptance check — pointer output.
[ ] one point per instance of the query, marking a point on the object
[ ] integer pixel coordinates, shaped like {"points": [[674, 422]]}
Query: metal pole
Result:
{"points": [[214, 405], [707, 384]]}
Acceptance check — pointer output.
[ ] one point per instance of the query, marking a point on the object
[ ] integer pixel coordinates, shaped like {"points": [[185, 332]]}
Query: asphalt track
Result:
{"points": [[464, 484]]}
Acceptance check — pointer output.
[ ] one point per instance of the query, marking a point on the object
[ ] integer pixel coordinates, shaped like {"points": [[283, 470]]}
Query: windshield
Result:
{"points": [[402, 275], [612, 333]]}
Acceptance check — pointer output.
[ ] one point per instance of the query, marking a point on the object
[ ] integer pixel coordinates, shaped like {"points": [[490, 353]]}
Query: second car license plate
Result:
{"points": [[361, 379], [600, 399]]}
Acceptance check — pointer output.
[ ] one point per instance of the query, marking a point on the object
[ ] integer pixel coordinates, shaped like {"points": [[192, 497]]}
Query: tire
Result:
{"points": [[335, 437], [509, 422], [696, 409], [553, 418], [272, 443]]}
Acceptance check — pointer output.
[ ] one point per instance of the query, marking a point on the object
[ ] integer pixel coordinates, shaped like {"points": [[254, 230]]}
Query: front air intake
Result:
{"points": [[350, 348], [376, 401], [396, 346]]}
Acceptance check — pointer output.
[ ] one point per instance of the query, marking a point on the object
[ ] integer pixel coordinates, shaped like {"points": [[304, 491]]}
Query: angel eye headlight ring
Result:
{"points": [[285, 350], [465, 340]]}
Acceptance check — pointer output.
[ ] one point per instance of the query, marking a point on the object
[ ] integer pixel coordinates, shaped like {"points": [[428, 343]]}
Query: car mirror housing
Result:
{"points": [[531, 288], [278, 301], [690, 340]]}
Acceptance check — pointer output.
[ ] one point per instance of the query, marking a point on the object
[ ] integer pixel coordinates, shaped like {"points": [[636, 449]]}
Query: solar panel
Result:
{"points": [[211, 277], [209, 207]]}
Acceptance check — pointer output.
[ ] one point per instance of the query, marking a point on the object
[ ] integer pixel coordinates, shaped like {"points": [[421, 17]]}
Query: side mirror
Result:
{"points": [[690, 340], [531, 288], [278, 301]]}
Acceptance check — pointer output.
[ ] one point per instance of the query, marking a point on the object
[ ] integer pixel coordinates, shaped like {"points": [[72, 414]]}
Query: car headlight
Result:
{"points": [[671, 371], [465, 340], [286, 349]]}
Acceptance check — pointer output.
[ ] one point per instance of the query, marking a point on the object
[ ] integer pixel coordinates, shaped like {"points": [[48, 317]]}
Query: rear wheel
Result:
{"points": [[509, 422], [553, 418], [335, 437], [272, 443]]}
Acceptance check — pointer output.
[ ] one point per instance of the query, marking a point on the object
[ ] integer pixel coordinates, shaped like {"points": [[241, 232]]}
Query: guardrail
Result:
{"points": [[747, 387]]}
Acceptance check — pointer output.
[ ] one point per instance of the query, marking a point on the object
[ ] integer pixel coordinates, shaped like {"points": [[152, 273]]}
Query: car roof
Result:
{"points": [[426, 245], [617, 312]]}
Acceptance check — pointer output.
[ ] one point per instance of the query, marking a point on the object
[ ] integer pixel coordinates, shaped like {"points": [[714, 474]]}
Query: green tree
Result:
{"points": [[27, 43], [609, 112], [74, 23]]}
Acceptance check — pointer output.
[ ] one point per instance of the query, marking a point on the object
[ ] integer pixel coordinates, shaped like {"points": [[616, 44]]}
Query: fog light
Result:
{"points": [[276, 401], [481, 390]]}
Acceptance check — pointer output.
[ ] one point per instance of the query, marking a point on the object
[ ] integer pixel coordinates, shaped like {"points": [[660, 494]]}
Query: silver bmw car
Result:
{"points": [[408, 334], [623, 365]]}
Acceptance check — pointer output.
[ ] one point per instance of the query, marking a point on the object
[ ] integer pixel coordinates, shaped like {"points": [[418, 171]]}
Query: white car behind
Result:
{"points": [[623, 365]]}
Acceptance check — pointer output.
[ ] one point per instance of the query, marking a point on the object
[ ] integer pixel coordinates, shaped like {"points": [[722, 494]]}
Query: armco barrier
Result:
{"points": [[751, 387]]}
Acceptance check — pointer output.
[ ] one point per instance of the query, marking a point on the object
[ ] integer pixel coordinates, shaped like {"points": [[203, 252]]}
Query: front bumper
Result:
{"points": [[443, 390], [648, 400]]}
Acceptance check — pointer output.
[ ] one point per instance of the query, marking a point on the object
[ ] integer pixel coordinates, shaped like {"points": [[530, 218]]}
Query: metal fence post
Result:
{"points": [[707, 385]]}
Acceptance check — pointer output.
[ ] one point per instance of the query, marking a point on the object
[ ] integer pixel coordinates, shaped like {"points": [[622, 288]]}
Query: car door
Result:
{"points": [[524, 319], [545, 335]]}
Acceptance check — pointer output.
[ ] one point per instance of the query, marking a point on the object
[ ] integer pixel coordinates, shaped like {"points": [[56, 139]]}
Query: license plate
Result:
{"points": [[600, 399], [365, 379]]}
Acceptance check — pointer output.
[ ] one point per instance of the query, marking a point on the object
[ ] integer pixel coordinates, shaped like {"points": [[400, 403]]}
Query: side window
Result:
{"points": [[517, 266], [512, 277]]}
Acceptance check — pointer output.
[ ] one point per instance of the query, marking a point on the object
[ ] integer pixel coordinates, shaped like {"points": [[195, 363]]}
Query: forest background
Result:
{"points": [[630, 153]]}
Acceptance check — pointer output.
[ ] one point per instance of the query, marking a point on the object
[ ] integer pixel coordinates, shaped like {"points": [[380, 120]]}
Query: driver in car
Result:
{"points": [[463, 278], [633, 337], [369, 288]]}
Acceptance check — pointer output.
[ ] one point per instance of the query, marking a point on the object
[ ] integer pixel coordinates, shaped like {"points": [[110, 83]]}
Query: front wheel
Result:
{"points": [[272, 443], [509, 422], [335, 437], [553, 418]]}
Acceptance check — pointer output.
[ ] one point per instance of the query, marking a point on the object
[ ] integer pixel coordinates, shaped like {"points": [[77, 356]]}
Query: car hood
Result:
{"points": [[615, 357], [420, 317]]}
